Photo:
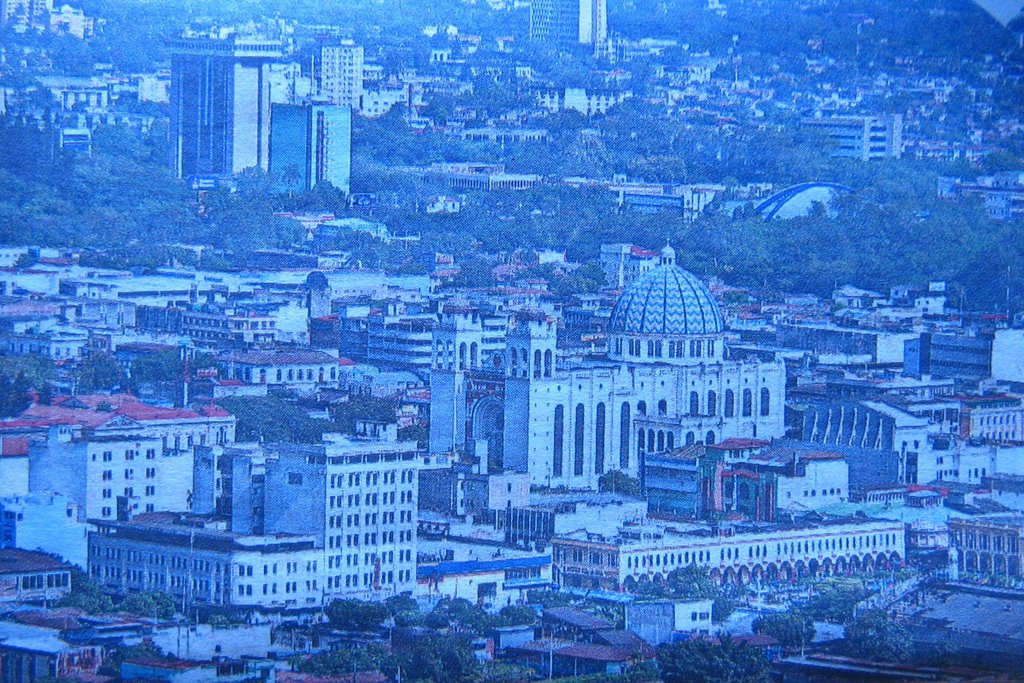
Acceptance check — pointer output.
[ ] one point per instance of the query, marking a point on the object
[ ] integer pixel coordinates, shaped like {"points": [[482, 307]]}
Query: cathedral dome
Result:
{"points": [[666, 301]]}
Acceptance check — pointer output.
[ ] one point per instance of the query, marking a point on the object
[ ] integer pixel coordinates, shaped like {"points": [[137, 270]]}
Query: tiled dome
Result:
{"points": [[666, 300]]}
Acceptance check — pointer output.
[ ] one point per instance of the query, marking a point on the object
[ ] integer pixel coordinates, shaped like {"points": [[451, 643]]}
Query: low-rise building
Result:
{"points": [[657, 621], [989, 545], [201, 564], [29, 653], [485, 575], [302, 371], [33, 577], [752, 552]]}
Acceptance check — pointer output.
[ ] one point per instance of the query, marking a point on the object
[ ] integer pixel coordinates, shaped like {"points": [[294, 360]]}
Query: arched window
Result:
{"points": [[650, 440], [730, 403], [748, 403], [670, 440], [709, 439], [662, 407], [547, 363], [712, 403], [577, 465], [690, 438], [559, 442], [599, 420], [474, 355], [641, 408], [766, 402], [694, 403], [641, 440], [661, 440], [536, 364], [624, 428], [462, 356]]}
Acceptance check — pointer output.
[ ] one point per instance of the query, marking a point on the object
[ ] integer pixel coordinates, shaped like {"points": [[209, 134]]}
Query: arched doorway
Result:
{"points": [[488, 425]]}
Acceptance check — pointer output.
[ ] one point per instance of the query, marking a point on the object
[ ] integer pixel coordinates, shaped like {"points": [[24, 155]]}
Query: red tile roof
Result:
{"points": [[82, 411], [14, 561]]}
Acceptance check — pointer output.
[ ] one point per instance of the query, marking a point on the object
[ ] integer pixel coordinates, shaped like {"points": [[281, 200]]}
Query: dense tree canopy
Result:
{"points": [[707, 661]]}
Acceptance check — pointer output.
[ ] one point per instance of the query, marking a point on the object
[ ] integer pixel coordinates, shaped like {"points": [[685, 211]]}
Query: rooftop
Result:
{"points": [[14, 561], [85, 411], [278, 358]]}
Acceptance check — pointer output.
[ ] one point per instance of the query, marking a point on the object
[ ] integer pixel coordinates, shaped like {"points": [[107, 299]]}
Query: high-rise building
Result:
{"points": [[220, 104], [311, 144], [26, 13], [339, 74], [564, 23], [357, 497], [862, 137]]}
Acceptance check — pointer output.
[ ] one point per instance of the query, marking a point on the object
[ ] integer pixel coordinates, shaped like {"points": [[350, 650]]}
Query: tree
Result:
{"points": [[498, 672], [724, 661], [156, 605], [404, 610], [836, 602], [14, 396], [273, 419], [874, 635], [461, 614], [120, 653], [691, 583], [792, 629], [85, 594], [417, 433], [440, 659], [617, 481], [346, 414], [517, 615], [476, 272], [356, 615], [100, 372], [348, 660], [152, 368]]}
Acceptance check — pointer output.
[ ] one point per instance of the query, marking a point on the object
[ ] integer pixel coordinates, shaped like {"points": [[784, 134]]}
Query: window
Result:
{"points": [[730, 403], [295, 478], [694, 403], [765, 402], [577, 466], [624, 436], [748, 403], [599, 433], [559, 440], [712, 403]]}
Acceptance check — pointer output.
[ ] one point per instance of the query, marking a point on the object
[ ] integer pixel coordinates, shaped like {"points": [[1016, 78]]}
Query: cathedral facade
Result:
{"points": [[665, 382]]}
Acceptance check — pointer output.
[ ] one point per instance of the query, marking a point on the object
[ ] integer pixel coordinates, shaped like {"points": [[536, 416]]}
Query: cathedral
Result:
{"points": [[666, 381]]}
